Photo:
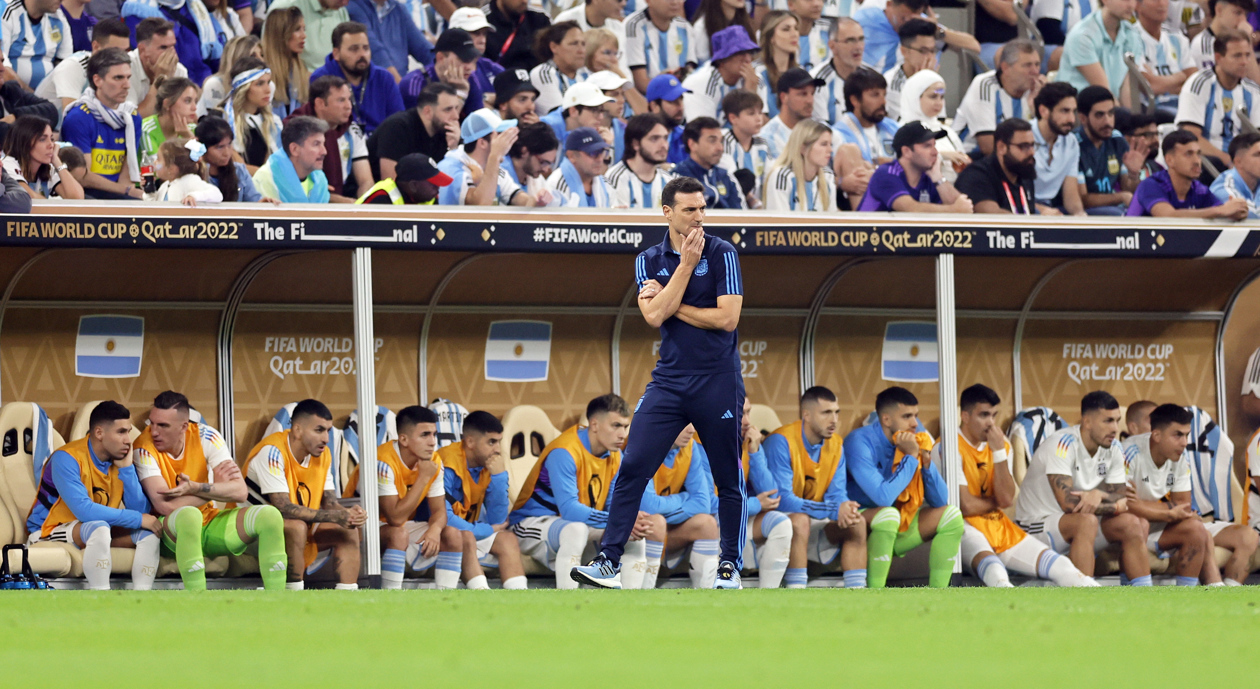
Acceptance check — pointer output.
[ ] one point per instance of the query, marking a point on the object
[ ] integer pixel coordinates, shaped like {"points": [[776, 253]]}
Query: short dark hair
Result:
{"points": [[172, 400], [978, 393], [429, 94], [638, 127], [1242, 142], [321, 87], [1092, 95], [911, 4], [300, 128], [1052, 94], [914, 28], [740, 100], [346, 29], [150, 27], [1166, 414], [1007, 128], [107, 412], [862, 79], [1128, 121], [1177, 137], [309, 407], [1221, 45], [1098, 400], [893, 397], [817, 394], [692, 131], [679, 185], [408, 417], [113, 28], [100, 63], [534, 138], [482, 422], [1247, 6], [554, 33], [607, 404]]}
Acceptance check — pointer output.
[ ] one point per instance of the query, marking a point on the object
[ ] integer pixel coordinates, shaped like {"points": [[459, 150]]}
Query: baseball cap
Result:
{"points": [[418, 166], [796, 78], [732, 40], [469, 19], [666, 87], [510, 82], [586, 140], [584, 93], [605, 80], [913, 133], [459, 42], [482, 123]]}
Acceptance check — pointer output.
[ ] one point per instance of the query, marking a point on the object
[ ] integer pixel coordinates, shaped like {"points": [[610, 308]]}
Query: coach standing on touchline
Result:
{"points": [[690, 288]]}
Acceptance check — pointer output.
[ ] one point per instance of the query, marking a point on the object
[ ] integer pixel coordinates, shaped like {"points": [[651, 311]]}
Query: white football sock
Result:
{"points": [[294, 585], [477, 583], [1061, 571], [393, 562], [346, 587], [97, 561], [516, 583], [772, 556], [572, 538], [145, 562], [653, 551], [704, 563], [634, 564], [1232, 582], [993, 573]]}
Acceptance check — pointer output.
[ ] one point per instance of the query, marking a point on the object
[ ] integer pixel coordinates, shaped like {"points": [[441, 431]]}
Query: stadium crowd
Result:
{"points": [[798, 105]]}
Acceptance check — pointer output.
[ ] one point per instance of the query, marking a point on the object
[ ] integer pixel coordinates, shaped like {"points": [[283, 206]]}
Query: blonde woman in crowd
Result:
{"points": [[283, 39], [802, 179], [218, 84], [780, 42]]}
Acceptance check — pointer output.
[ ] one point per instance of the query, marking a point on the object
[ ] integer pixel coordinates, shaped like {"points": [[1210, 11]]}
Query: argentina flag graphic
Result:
{"points": [[109, 346], [909, 354], [518, 351]]}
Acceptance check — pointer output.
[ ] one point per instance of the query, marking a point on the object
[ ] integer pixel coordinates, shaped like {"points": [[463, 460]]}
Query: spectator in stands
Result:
{"points": [[31, 159], [1177, 191], [80, 22], [801, 179], [512, 42], [515, 95], [154, 56], [1227, 16], [35, 37], [222, 170], [579, 180], [780, 44], [68, 79], [392, 33], [322, 17], [1141, 132], [531, 160], [847, 43], [865, 132], [995, 24], [374, 92], [743, 147], [918, 52], [1210, 100], [1055, 19], [637, 179], [714, 16], [248, 110], [16, 101], [76, 164], [1058, 152], [880, 24], [795, 91], [245, 12], [217, 85], [604, 55], [730, 69], [294, 174], [665, 95], [195, 41], [486, 140], [601, 14], [659, 41], [562, 49], [994, 96], [473, 20], [346, 164], [284, 37], [1242, 181], [812, 29], [431, 128], [101, 124], [583, 106], [179, 167], [615, 87], [923, 101], [1110, 167], [1168, 59], [14, 199], [175, 117], [1003, 182], [226, 21], [455, 60], [913, 183], [1095, 48], [416, 181], [703, 137]]}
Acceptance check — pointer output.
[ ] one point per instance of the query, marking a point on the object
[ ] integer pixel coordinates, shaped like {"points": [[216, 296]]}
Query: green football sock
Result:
{"points": [[879, 546], [949, 533], [264, 524], [188, 555]]}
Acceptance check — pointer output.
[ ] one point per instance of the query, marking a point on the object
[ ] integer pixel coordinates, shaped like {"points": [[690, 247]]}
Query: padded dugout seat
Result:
{"points": [[526, 431], [764, 418]]}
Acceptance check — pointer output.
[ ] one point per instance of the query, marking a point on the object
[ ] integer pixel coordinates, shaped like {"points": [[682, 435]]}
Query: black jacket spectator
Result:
{"points": [[511, 44], [17, 101], [15, 199]]}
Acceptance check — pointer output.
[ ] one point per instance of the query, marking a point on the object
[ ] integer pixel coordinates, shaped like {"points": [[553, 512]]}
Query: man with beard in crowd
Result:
{"points": [[1004, 181], [373, 90]]}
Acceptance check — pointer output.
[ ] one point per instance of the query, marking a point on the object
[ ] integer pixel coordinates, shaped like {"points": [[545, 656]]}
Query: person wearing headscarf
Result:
{"points": [[923, 100]]}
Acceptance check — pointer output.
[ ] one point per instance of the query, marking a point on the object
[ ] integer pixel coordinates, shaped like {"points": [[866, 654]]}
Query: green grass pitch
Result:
{"points": [[967, 637]]}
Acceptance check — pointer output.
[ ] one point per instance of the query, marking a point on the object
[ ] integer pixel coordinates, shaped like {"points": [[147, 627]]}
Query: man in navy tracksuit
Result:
{"points": [[690, 287]]}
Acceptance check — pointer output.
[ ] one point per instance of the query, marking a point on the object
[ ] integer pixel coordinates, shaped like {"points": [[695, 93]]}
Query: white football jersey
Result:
{"points": [[1253, 469], [1064, 453], [1151, 482]]}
